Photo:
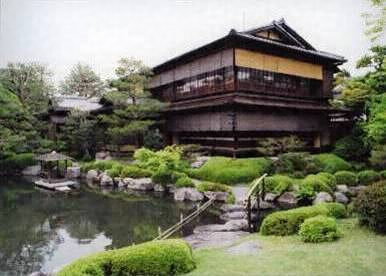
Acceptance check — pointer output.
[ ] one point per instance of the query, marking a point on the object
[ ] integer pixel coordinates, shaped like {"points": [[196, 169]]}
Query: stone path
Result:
{"points": [[240, 193], [214, 239]]}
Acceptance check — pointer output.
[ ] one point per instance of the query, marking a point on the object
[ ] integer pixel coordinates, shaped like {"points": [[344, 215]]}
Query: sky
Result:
{"points": [[60, 33]]}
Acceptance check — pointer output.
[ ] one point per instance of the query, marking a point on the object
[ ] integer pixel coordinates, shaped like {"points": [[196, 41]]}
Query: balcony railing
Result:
{"points": [[247, 80]]}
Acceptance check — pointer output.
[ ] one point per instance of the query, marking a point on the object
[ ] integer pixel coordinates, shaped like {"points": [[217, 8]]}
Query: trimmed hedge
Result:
{"points": [[164, 258], [331, 163], [346, 178], [278, 184], [185, 182], [163, 176], [368, 176], [232, 171], [17, 162], [370, 205], [284, 223], [319, 229]]}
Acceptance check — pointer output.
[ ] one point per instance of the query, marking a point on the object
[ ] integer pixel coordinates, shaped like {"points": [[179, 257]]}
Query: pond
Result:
{"points": [[41, 231]]}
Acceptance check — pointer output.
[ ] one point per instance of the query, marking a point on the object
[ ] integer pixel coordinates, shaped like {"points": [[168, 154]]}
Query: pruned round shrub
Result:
{"points": [[370, 205], [284, 223], [331, 163], [135, 172], [367, 177], [278, 184], [313, 184], [319, 229], [346, 178], [164, 258], [184, 182], [329, 179]]}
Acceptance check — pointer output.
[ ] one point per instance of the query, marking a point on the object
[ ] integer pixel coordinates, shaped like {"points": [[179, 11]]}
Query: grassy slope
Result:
{"points": [[232, 171], [358, 252]]}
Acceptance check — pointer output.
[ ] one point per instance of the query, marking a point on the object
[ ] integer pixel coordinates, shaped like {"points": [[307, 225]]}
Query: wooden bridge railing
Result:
{"points": [[166, 234], [257, 189]]}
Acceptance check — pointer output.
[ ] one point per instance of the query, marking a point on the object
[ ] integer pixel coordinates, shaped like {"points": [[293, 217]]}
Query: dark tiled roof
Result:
{"points": [[298, 45]]}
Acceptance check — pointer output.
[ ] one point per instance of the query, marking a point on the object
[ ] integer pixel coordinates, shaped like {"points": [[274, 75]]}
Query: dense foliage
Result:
{"points": [[284, 223], [370, 206], [278, 184], [297, 164], [185, 182], [231, 171], [319, 229], [157, 258], [273, 146]]}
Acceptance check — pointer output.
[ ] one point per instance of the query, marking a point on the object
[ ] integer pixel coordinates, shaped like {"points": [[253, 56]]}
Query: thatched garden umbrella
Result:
{"points": [[53, 157]]}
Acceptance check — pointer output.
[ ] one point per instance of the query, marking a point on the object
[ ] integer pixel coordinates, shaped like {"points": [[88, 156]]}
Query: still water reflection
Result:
{"points": [[41, 232]]}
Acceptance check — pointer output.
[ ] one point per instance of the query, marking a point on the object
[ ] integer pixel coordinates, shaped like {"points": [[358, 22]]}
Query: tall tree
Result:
{"points": [[376, 20], [31, 83], [135, 110], [82, 81]]}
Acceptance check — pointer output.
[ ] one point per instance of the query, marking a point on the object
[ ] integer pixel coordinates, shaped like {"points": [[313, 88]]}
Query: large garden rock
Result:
{"points": [[232, 208], [201, 160], [171, 188], [102, 155], [354, 191], [287, 200], [341, 198], [118, 181], [232, 216], [322, 197], [342, 189], [209, 228], [106, 180], [139, 184], [270, 197], [73, 172], [92, 175], [217, 196], [159, 188], [191, 194], [214, 239], [236, 225], [32, 170]]}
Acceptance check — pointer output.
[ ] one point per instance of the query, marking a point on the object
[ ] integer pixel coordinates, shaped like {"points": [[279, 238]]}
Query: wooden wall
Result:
{"points": [[246, 58], [209, 63]]}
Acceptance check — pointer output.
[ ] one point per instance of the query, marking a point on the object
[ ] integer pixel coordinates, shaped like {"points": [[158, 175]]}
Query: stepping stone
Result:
{"points": [[214, 239], [245, 248]]}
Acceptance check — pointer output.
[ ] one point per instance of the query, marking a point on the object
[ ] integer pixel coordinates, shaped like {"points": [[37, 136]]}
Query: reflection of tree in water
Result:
{"points": [[25, 236], [30, 221]]}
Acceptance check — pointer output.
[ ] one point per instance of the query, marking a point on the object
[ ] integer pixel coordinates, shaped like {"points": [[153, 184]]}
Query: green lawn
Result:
{"points": [[358, 252]]}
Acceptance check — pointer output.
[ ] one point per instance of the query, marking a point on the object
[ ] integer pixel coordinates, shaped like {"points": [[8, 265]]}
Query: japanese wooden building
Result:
{"points": [[264, 82]]}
